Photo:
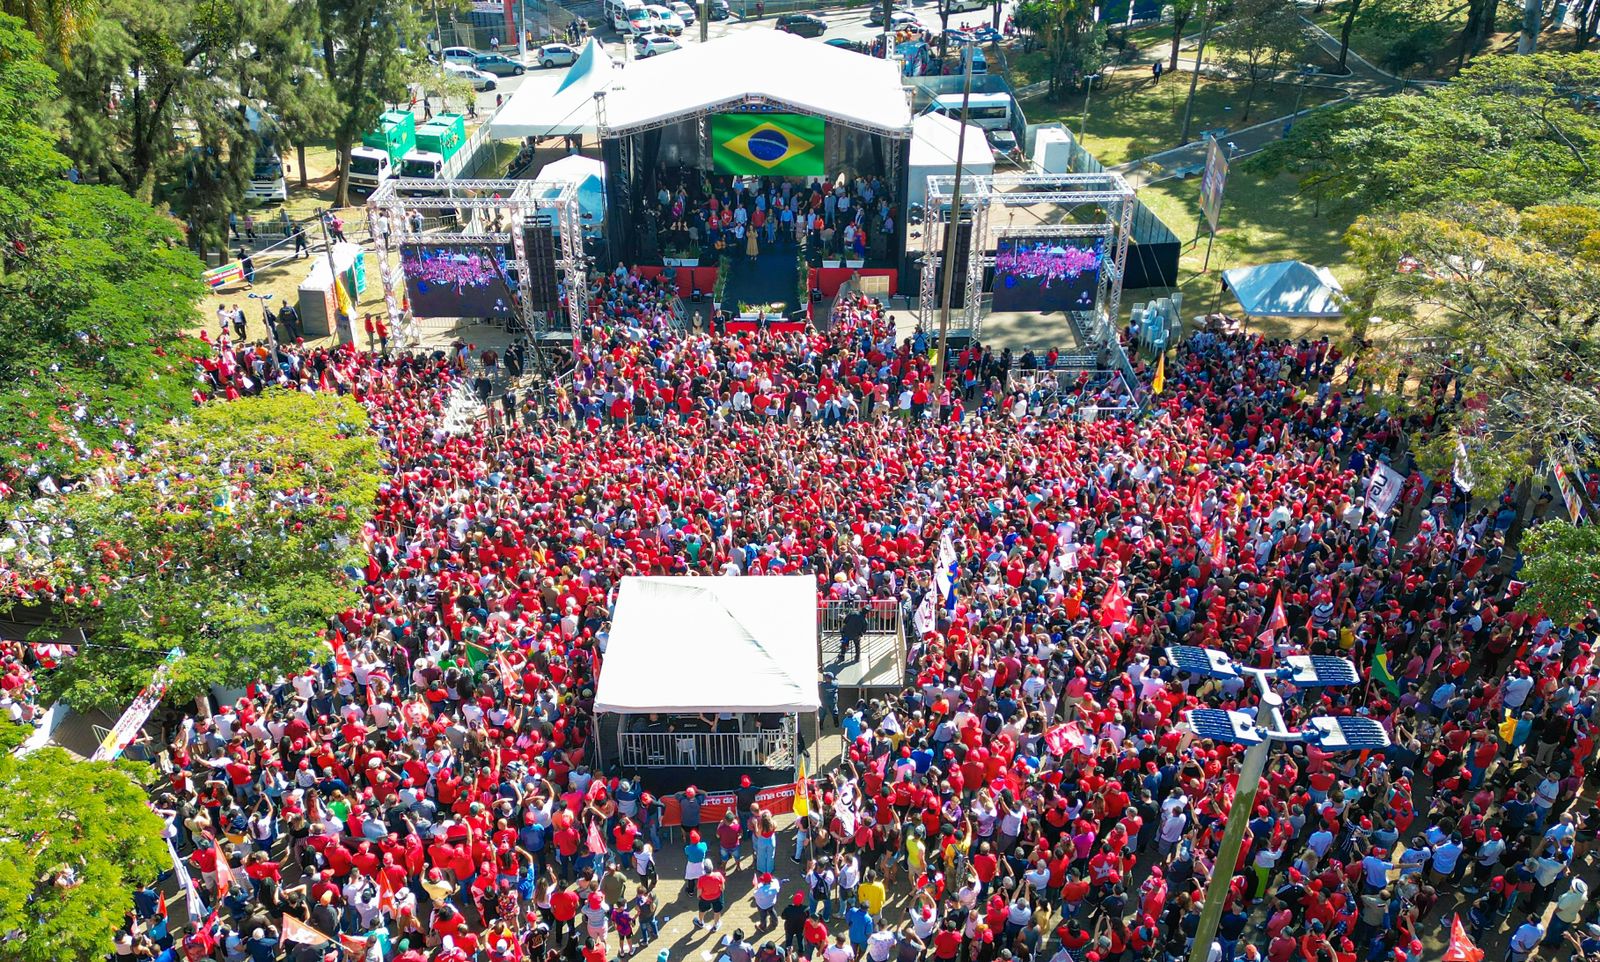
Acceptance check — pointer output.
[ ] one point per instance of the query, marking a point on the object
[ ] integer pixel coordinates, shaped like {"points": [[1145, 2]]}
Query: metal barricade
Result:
{"points": [[766, 748]]}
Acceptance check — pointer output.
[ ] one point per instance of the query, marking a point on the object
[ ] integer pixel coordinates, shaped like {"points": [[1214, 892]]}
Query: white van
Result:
{"points": [[618, 12], [988, 111]]}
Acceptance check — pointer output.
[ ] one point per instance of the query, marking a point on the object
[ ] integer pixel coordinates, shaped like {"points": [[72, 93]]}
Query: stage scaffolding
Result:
{"points": [[1111, 216], [480, 206]]}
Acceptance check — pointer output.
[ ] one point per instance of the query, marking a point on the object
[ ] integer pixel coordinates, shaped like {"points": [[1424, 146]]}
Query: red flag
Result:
{"points": [[1114, 606], [355, 945], [1276, 621], [386, 894], [597, 841], [1461, 948], [1219, 549], [508, 674], [341, 656], [224, 872], [161, 905], [1063, 739]]}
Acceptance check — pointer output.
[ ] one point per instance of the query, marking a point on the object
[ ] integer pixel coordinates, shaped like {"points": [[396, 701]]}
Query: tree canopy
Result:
{"points": [[1563, 570], [1511, 129], [226, 536], [1507, 300], [95, 295], [75, 838]]}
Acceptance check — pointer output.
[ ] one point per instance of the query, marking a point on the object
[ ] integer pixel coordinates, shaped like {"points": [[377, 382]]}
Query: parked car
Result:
{"points": [[720, 10], [685, 11], [460, 55], [899, 20], [802, 24], [498, 64], [664, 20], [650, 44], [555, 55], [479, 80]]}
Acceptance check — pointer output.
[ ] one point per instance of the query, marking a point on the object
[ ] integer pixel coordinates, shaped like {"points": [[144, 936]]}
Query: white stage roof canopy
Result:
{"points": [[744, 644], [760, 66]]}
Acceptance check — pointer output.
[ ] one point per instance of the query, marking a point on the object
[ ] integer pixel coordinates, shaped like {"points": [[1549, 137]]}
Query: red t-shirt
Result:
{"points": [[710, 885]]}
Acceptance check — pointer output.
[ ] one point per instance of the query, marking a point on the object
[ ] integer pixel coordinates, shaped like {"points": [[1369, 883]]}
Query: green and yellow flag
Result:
{"points": [[1380, 670], [785, 145], [477, 656]]}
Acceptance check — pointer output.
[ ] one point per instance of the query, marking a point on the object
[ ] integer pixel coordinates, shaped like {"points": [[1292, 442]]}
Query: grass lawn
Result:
{"points": [[1264, 219], [1131, 116]]}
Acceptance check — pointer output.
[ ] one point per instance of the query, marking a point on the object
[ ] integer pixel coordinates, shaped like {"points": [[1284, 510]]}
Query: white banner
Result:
{"points": [[180, 870], [923, 618], [1461, 472], [127, 727], [1383, 489]]}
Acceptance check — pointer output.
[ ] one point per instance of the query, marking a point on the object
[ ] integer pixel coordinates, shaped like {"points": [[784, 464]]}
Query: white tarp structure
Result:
{"points": [[755, 66], [935, 140], [1285, 289], [537, 110], [590, 176], [737, 644]]}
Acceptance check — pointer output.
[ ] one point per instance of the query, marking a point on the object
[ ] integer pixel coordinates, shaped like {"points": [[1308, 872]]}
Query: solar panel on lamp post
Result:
{"points": [[1258, 734]]}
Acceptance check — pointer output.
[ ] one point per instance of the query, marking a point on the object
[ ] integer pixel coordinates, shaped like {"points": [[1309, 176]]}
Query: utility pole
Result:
{"points": [[1194, 80], [888, 34], [953, 227], [1258, 733], [705, 20]]}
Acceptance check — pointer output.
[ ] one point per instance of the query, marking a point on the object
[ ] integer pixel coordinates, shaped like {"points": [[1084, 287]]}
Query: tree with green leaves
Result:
{"points": [[1261, 38], [1511, 129], [1074, 42], [1509, 303], [371, 53], [1179, 13], [75, 838], [1562, 570], [96, 293], [227, 535]]}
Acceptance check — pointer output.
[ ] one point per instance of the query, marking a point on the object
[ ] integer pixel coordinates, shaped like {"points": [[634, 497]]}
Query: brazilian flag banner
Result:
{"points": [[784, 145]]}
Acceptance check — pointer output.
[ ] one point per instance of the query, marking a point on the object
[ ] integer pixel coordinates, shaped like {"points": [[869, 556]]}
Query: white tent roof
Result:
{"points": [[712, 644], [560, 106], [1286, 289]]}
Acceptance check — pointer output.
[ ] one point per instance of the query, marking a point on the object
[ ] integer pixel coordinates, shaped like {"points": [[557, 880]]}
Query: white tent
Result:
{"points": [[755, 66], [590, 176], [687, 644], [1285, 289], [556, 109], [761, 66], [935, 139]]}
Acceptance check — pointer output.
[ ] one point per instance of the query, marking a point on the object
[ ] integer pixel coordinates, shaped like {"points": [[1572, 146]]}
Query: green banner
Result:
{"points": [[787, 145]]}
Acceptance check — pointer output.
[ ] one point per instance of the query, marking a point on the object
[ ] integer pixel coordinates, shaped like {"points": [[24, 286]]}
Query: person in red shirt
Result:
{"points": [[709, 888]]}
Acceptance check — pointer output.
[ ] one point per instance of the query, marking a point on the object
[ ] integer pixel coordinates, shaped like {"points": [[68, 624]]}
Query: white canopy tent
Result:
{"points": [[764, 66], [732, 644], [755, 66], [537, 110], [935, 141]]}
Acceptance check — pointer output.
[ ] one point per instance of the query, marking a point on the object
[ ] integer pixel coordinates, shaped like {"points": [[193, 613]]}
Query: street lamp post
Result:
{"points": [[1258, 734]]}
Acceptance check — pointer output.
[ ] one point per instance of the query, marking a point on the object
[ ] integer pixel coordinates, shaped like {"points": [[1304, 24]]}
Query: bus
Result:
{"points": [[988, 111]]}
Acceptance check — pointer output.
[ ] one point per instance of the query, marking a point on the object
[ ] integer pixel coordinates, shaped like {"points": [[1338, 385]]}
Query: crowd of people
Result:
{"points": [[444, 805], [712, 215]]}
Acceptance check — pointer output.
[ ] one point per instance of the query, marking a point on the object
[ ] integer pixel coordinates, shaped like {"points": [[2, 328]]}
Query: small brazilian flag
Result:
{"points": [[477, 656], [786, 145], [1380, 670]]}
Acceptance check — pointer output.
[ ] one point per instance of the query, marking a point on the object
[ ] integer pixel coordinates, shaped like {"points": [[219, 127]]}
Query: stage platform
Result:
{"points": [[881, 664], [1018, 330]]}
